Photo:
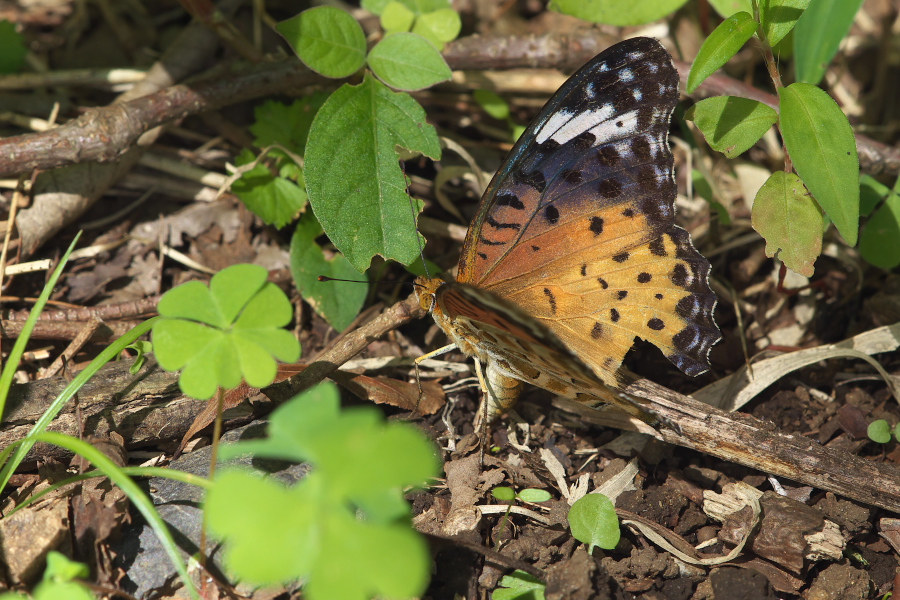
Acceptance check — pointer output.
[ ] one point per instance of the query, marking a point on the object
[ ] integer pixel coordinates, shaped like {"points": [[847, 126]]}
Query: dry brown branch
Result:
{"points": [[105, 133], [742, 439]]}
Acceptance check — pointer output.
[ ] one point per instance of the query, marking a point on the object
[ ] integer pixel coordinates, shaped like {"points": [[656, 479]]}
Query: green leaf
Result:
{"points": [[338, 302], [417, 7], [533, 495], [503, 493], [519, 586], [731, 125], [879, 241], [285, 124], [270, 528], [779, 17], [228, 331], [407, 61], [823, 149], [439, 27], [54, 590], [12, 48], [788, 218], [61, 569], [726, 8], [327, 39], [879, 431], [396, 18], [492, 104], [593, 521], [723, 43], [871, 193], [818, 35], [273, 198], [358, 459], [613, 12], [355, 184]]}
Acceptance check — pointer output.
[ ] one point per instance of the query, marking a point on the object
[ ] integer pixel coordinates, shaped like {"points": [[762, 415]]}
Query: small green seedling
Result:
{"points": [[142, 348], [230, 330], [593, 521], [509, 495], [497, 107], [345, 529], [519, 586], [880, 431], [60, 581]]}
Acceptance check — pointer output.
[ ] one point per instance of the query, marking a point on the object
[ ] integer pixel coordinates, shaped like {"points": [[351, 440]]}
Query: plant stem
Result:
{"points": [[213, 457]]}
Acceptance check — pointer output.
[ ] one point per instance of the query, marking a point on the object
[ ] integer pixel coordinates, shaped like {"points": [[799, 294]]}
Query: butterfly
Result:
{"points": [[574, 251]]}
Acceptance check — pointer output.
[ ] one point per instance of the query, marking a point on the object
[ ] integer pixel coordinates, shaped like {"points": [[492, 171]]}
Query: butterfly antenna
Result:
{"points": [[412, 211]]}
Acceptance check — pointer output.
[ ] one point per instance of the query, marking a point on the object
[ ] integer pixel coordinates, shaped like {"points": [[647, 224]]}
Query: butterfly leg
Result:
{"points": [[424, 357]]}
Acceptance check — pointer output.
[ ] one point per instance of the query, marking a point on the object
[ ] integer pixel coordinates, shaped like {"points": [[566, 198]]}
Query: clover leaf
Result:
{"points": [[230, 330], [344, 528]]}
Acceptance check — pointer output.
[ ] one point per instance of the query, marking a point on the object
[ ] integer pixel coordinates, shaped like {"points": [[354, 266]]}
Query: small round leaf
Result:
{"points": [[593, 521], [327, 39]]}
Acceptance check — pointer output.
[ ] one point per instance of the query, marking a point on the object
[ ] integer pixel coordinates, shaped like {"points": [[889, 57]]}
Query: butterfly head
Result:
{"points": [[426, 291]]}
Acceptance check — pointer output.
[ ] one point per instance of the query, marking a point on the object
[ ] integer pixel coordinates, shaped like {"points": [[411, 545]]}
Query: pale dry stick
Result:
{"points": [[71, 78], [13, 209], [87, 332]]}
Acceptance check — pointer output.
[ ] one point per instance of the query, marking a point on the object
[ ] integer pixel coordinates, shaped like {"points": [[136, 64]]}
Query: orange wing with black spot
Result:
{"points": [[578, 226]]}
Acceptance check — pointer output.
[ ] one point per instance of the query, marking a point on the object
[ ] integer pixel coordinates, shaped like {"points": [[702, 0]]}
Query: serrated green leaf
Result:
{"points": [[731, 125], [355, 184], [593, 521], [439, 27], [492, 104], [818, 36], [396, 18], [879, 431], [337, 302], [613, 12], [285, 124], [879, 241], [12, 48], [779, 17], [274, 199], [327, 39], [723, 43], [785, 214], [409, 62], [823, 150]]}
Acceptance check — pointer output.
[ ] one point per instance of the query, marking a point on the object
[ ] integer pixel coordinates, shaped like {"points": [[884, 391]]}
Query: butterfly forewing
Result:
{"points": [[600, 141], [573, 251]]}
